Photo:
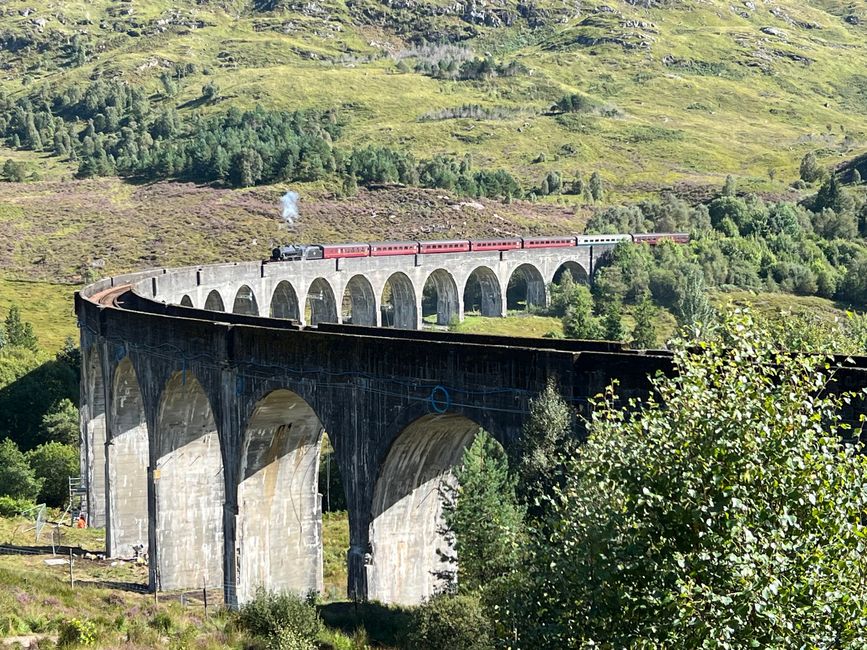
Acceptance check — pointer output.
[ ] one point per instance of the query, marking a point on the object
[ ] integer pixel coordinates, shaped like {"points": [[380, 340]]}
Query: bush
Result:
{"points": [[53, 464], [12, 507], [454, 622], [284, 621], [75, 632]]}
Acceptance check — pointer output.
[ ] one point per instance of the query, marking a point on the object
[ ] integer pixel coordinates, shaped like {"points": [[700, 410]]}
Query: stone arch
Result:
{"points": [[440, 297], [128, 458], [359, 302], [579, 274], [245, 302], [94, 439], [284, 302], [320, 306], [214, 301], [526, 289], [188, 489], [406, 540], [186, 301], [398, 305], [482, 293], [279, 510]]}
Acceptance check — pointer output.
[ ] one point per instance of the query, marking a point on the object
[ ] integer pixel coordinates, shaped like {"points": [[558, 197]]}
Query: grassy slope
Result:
{"points": [[702, 91], [48, 306]]}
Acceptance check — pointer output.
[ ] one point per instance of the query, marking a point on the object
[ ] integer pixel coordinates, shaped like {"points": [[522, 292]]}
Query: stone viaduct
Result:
{"points": [[201, 428]]}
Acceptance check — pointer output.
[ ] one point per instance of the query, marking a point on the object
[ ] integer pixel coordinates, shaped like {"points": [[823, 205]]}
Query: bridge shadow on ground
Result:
{"points": [[385, 625]]}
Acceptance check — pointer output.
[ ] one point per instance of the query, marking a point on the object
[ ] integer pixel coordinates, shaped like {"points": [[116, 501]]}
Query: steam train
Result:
{"points": [[293, 252]]}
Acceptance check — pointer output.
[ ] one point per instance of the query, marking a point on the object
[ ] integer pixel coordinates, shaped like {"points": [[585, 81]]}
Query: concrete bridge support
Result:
{"points": [[279, 526], [93, 446], [128, 455], [188, 492], [410, 558]]}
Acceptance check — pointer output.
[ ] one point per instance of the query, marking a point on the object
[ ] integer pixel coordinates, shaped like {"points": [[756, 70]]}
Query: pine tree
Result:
{"points": [[19, 333], [731, 187], [810, 170], [482, 515], [596, 187], [644, 334], [694, 312], [579, 321], [612, 323]]}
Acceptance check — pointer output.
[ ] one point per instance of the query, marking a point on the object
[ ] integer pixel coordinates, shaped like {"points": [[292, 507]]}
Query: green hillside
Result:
{"points": [[674, 92]]}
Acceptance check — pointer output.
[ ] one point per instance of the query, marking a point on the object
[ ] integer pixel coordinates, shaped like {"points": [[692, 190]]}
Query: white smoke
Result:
{"points": [[290, 207]]}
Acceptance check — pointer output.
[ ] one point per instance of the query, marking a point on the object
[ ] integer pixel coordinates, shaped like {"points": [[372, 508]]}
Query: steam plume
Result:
{"points": [[290, 207]]}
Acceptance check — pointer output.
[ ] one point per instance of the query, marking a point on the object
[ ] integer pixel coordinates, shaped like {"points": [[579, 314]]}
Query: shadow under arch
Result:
{"points": [[407, 544], [128, 459], [320, 306], [188, 490], [284, 302], [398, 303], [440, 297], [245, 302], [482, 293], [186, 301], [526, 288], [279, 509], [578, 273], [214, 301], [359, 302], [94, 438]]}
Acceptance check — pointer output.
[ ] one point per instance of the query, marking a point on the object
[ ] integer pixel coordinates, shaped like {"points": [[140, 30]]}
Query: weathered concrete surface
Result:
{"points": [[234, 406], [408, 549], [188, 486], [128, 455], [279, 514]]}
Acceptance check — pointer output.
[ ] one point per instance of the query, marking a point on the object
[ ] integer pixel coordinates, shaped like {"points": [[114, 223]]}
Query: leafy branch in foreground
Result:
{"points": [[725, 511]]}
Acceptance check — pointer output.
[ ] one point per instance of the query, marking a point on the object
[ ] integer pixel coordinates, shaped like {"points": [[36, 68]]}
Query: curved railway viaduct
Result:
{"points": [[201, 428]]}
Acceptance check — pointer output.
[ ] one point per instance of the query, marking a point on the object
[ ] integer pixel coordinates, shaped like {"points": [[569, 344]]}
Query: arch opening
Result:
{"points": [[398, 303], [214, 301], [359, 302], [482, 293], [409, 550], [93, 449], [245, 302], [279, 504], [284, 302], [128, 458], [440, 300], [320, 306], [526, 289], [188, 490], [574, 269], [186, 301]]}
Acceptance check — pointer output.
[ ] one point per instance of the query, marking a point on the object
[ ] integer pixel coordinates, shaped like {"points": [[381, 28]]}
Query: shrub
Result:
{"points": [[454, 622], [284, 621], [12, 507], [75, 632]]}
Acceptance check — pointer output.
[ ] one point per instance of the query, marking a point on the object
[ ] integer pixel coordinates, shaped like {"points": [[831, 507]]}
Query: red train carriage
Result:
{"points": [[384, 248], [494, 244], [444, 246], [548, 242], [331, 251]]}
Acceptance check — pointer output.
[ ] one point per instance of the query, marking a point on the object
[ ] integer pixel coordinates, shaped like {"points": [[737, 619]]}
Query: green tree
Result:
{"points": [[482, 516], [563, 294], [579, 321], [644, 334], [61, 423], [612, 323], [210, 91], [19, 333], [596, 187], [721, 512], [53, 463], [14, 171], [856, 177], [731, 186], [17, 478], [833, 196], [695, 314], [548, 436], [810, 169]]}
